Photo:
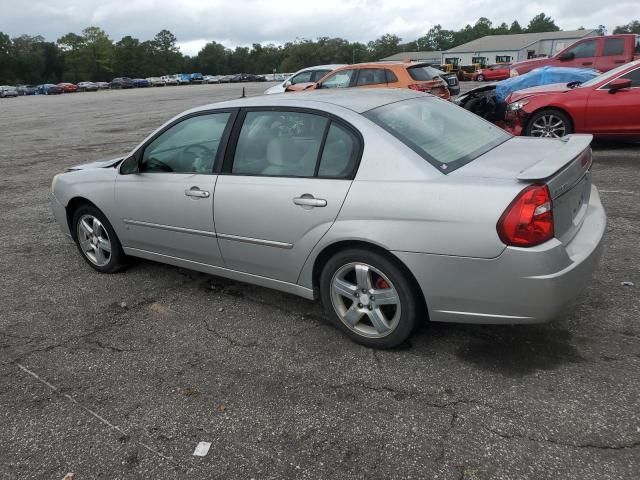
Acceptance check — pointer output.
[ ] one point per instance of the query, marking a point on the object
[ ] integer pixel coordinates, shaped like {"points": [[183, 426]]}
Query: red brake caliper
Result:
{"points": [[381, 283]]}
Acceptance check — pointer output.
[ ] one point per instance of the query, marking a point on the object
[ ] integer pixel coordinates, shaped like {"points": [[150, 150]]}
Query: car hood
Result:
{"points": [[539, 90], [97, 164]]}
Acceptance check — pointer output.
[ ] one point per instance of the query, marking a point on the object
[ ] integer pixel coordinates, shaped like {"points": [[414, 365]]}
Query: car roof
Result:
{"points": [[357, 100], [322, 67]]}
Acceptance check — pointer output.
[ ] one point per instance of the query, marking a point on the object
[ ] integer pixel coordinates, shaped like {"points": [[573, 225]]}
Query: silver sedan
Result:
{"points": [[391, 206]]}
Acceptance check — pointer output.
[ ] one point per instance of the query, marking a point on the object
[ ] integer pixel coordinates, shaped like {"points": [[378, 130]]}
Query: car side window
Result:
{"points": [[371, 76], [318, 74], [634, 76], [339, 153], [613, 46], [190, 146], [279, 144], [584, 49], [391, 77], [302, 77], [340, 79]]}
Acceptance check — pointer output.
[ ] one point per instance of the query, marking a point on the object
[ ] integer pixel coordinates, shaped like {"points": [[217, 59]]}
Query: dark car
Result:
{"points": [[121, 82], [197, 78], [141, 83], [49, 89], [27, 90]]}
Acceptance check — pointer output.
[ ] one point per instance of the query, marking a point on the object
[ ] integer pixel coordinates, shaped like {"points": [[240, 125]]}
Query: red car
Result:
{"points": [[500, 71], [606, 106], [68, 87]]}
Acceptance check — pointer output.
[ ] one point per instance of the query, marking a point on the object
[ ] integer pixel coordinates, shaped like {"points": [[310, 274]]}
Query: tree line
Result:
{"points": [[92, 55]]}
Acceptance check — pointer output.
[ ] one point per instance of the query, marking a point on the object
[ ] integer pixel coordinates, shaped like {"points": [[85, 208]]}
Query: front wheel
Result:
{"points": [[97, 241], [369, 298], [549, 123]]}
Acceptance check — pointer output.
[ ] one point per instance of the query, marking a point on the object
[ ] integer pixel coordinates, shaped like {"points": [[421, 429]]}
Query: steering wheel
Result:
{"points": [[154, 165], [197, 157]]}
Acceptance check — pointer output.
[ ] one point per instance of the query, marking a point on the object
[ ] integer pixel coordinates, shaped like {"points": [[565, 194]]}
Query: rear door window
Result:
{"points": [[339, 154], [613, 46], [371, 76]]}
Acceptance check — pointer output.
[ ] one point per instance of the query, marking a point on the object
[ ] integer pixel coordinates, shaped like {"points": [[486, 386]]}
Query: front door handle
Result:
{"points": [[309, 201], [587, 63], [197, 193], [619, 61]]}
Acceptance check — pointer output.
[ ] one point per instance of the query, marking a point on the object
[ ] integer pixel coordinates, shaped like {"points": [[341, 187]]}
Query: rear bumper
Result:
{"points": [[60, 214], [521, 285]]}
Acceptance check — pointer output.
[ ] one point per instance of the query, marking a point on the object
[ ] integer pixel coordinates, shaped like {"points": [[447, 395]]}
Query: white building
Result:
{"points": [[513, 48]]}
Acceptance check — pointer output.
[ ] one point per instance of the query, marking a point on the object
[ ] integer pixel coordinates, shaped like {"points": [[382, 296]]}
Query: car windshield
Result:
{"points": [[605, 76], [424, 73], [445, 135]]}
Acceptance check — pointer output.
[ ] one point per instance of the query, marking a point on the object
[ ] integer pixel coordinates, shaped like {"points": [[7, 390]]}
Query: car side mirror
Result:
{"points": [[619, 84], [567, 56], [287, 84], [130, 165]]}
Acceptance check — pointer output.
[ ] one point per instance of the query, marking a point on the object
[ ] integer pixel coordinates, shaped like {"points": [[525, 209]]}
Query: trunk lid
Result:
{"points": [[562, 164]]}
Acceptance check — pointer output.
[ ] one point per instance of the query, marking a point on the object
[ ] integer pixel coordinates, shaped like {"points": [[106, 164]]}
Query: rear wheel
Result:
{"points": [[549, 123], [369, 298], [97, 241]]}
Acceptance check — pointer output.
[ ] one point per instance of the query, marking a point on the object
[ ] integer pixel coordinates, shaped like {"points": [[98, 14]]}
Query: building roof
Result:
{"points": [[518, 41], [413, 56]]}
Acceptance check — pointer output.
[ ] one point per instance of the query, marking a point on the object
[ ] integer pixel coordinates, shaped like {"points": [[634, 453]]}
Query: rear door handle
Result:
{"points": [[587, 63], [308, 200], [619, 61], [197, 193]]}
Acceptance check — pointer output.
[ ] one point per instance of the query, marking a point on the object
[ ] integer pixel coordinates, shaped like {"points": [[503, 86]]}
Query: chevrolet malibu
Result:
{"points": [[392, 206]]}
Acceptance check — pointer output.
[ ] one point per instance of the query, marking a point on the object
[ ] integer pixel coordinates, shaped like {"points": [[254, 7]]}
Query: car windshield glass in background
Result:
{"points": [[318, 74], [442, 133], [424, 73]]}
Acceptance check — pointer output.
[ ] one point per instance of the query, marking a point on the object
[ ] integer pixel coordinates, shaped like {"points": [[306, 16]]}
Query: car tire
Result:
{"points": [[385, 321], [96, 240], [550, 123], [480, 78]]}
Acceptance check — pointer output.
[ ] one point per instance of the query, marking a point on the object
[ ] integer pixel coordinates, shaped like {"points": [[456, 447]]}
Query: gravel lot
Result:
{"points": [[120, 376]]}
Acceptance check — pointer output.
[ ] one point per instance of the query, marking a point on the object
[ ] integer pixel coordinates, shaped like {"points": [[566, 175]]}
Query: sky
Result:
{"points": [[243, 22]]}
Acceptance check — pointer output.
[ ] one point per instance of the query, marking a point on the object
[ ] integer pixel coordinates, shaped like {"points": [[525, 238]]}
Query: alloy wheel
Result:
{"points": [[94, 240], [548, 125], [365, 300]]}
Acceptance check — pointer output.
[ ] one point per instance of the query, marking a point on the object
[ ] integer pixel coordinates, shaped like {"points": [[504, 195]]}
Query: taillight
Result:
{"points": [[528, 220], [420, 87]]}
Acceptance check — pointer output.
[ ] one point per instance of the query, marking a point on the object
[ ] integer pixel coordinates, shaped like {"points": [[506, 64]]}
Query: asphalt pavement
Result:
{"points": [[121, 376]]}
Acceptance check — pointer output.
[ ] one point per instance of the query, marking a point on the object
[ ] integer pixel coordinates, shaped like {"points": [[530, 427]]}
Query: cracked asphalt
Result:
{"points": [[120, 376]]}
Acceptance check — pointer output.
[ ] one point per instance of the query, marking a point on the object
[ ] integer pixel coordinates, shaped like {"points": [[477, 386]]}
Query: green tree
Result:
{"points": [[384, 46], [515, 27], [542, 23], [128, 57], [72, 47], [167, 56], [212, 59], [631, 27], [98, 52]]}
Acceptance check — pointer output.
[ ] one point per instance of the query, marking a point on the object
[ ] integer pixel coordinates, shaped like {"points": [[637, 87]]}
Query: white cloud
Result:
{"points": [[242, 22]]}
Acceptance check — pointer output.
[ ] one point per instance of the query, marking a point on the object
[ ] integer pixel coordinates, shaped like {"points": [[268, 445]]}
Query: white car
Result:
{"points": [[156, 82], [169, 80], [309, 74], [212, 79]]}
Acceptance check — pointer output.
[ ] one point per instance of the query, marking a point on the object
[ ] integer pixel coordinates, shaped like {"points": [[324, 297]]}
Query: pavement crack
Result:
{"points": [[512, 436]]}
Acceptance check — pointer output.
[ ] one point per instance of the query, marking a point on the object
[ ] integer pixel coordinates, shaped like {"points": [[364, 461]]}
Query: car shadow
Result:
{"points": [[509, 350]]}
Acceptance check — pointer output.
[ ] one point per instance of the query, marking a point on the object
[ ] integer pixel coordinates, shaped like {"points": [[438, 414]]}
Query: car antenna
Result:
{"points": [[243, 95]]}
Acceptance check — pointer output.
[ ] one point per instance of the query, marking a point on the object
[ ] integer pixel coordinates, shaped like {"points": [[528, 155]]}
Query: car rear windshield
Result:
{"points": [[423, 73], [444, 134]]}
